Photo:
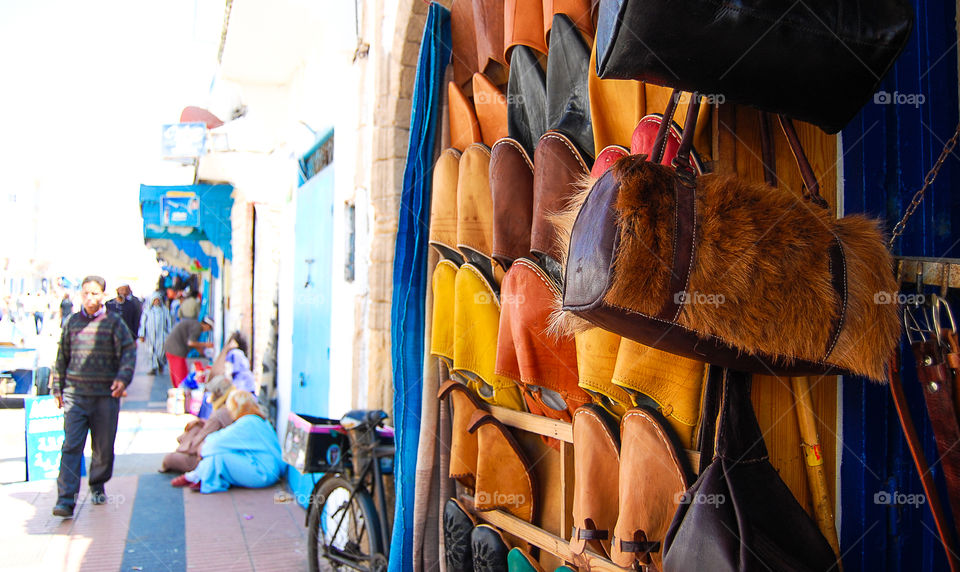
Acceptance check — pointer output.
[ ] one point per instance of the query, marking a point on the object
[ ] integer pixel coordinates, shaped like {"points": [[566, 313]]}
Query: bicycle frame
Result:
{"points": [[357, 481]]}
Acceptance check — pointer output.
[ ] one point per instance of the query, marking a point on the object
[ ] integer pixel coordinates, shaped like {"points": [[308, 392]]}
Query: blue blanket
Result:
{"points": [[410, 274]]}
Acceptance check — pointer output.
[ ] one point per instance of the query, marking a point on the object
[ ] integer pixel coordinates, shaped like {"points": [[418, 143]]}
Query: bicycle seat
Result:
{"points": [[365, 417]]}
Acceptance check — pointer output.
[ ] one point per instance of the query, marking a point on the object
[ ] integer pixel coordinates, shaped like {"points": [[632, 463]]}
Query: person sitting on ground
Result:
{"points": [[187, 456], [237, 366], [245, 453]]}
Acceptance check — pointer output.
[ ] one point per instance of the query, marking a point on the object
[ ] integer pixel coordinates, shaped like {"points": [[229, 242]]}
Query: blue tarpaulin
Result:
{"points": [[410, 275]]}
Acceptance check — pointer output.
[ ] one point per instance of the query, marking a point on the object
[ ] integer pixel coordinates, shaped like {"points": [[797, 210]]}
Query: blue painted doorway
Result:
{"points": [[311, 296]]}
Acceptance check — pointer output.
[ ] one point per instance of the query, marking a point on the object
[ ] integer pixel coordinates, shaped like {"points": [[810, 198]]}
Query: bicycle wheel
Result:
{"points": [[344, 528]]}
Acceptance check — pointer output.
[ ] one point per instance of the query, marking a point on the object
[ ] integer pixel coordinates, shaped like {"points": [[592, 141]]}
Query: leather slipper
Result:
{"points": [[568, 103], [526, 98]]}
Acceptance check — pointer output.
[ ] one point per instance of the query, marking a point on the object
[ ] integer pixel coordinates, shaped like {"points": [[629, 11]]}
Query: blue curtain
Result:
{"points": [[410, 274]]}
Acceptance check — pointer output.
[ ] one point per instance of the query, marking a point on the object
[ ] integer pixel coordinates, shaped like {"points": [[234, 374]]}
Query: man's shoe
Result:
{"points": [[98, 497], [63, 510], [180, 481]]}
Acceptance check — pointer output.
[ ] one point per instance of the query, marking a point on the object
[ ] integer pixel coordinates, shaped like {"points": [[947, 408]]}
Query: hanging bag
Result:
{"points": [[739, 515], [728, 272], [818, 61]]}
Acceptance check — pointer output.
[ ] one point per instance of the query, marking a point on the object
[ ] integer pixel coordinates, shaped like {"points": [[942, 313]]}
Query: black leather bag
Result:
{"points": [[818, 61], [739, 515]]}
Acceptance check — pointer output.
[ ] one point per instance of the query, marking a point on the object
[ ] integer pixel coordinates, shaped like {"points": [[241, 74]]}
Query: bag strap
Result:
{"points": [[811, 190], [920, 461], [684, 239], [660, 143], [709, 412], [769, 154], [738, 433]]}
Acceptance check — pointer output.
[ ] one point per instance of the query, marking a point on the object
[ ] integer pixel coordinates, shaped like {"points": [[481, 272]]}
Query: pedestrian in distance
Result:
{"points": [[128, 307], [155, 326], [95, 364], [66, 309], [184, 337]]}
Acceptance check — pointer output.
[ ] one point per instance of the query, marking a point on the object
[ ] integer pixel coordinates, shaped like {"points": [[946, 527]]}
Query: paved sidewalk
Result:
{"points": [[147, 524]]}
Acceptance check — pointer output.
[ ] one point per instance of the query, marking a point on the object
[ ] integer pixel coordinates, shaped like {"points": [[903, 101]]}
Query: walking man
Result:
{"points": [[95, 365]]}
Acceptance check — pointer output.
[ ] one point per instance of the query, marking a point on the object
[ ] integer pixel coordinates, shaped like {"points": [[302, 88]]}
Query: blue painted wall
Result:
{"points": [[887, 150]]}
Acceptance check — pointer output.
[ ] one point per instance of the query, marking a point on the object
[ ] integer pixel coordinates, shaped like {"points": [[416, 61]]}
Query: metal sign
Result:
{"points": [[183, 140]]}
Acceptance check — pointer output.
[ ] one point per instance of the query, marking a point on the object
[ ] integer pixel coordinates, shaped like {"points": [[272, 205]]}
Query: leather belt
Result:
{"points": [[920, 460]]}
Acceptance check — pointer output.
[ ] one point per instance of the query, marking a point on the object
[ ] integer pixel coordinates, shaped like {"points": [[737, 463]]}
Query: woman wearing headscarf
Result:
{"points": [[155, 324], [246, 453], [237, 365], [187, 456]]}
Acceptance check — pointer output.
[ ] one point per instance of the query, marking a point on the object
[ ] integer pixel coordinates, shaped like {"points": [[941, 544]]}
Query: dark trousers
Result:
{"points": [[82, 413]]}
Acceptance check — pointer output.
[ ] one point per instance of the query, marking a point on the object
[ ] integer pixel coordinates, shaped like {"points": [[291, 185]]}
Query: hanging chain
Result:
{"points": [[927, 181]]}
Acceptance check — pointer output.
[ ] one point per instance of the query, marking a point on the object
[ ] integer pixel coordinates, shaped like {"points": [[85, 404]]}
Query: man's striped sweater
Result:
{"points": [[94, 351]]}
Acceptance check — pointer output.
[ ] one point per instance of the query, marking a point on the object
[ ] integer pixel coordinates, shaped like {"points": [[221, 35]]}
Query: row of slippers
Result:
{"points": [[492, 330], [472, 547], [639, 458]]}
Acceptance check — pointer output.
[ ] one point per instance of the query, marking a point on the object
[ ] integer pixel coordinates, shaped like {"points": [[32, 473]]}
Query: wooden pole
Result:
{"points": [[813, 461]]}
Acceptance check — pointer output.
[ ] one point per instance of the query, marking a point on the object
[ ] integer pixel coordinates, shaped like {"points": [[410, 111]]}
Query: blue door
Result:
{"points": [[311, 306]]}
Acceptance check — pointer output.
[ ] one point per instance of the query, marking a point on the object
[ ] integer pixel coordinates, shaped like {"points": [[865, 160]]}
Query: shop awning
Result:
{"points": [[188, 214]]}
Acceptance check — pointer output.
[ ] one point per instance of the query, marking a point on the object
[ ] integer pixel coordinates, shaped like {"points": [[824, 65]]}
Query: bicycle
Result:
{"points": [[347, 527]]}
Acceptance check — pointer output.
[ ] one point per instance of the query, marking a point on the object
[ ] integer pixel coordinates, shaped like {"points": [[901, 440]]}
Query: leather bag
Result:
{"points": [[819, 61], [739, 515], [727, 272]]}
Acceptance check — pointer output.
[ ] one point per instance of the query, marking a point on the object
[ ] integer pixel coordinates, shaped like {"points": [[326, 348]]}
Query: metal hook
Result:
{"points": [[938, 304], [907, 318]]}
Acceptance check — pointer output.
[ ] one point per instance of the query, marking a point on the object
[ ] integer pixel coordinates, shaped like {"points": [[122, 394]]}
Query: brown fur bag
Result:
{"points": [[728, 272]]}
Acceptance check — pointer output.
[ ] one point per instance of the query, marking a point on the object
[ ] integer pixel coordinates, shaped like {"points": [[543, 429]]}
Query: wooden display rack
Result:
{"points": [[559, 547]]}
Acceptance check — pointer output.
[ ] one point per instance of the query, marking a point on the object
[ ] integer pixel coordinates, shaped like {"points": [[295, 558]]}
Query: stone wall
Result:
{"points": [[392, 63]]}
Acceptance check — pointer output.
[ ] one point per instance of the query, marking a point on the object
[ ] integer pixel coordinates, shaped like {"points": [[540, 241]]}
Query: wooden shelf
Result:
{"points": [[540, 538]]}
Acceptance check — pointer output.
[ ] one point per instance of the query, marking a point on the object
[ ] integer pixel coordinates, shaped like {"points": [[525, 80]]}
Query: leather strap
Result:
{"points": [[838, 279], [589, 534], [767, 150], [920, 461], [660, 143], [938, 393], [639, 547], [811, 186], [685, 223]]}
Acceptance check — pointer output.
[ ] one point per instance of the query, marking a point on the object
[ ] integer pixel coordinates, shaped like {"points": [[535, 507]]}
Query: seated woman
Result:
{"points": [[187, 455], [237, 366], [245, 453]]}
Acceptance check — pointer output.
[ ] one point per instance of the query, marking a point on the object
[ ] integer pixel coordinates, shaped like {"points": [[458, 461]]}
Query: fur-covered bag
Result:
{"points": [[732, 273]]}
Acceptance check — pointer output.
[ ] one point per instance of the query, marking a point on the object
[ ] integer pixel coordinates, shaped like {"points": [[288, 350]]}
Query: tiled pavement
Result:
{"points": [[147, 525]]}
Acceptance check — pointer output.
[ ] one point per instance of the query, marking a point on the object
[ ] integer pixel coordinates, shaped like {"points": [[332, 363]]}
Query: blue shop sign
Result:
{"points": [[44, 427], [179, 208]]}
